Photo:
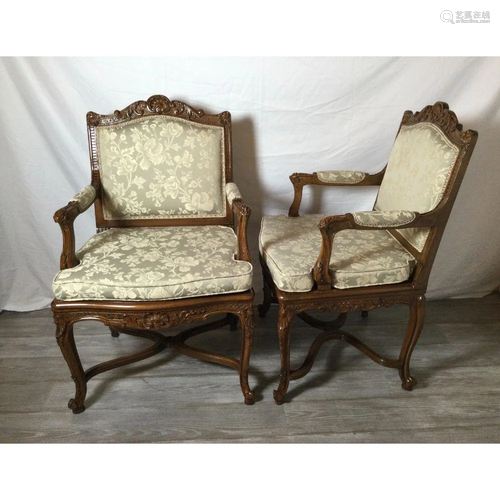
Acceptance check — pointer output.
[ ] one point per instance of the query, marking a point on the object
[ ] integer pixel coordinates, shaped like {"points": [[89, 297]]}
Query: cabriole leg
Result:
{"points": [[66, 342], [415, 324], [248, 326], [114, 331], [285, 320]]}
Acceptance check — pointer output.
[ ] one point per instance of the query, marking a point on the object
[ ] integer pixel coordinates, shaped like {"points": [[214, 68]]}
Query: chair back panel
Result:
{"points": [[417, 175], [161, 166]]}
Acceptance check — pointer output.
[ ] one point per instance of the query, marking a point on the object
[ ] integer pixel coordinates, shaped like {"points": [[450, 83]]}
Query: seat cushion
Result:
{"points": [[291, 245], [155, 264]]}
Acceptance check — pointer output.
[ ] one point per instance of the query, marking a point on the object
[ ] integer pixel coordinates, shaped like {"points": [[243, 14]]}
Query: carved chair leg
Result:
{"points": [[248, 326], [114, 332], [66, 342], [285, 320], [415, 324]]}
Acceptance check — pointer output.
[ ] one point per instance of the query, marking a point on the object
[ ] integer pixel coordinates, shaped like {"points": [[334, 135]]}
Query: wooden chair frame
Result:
{"points": [[140, 318], [323, 297]]}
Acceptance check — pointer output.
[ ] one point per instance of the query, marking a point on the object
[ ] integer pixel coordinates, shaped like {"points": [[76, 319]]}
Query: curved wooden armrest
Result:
{"points": [[329, 226], [242, 212], [65, 217], [300, 180]]}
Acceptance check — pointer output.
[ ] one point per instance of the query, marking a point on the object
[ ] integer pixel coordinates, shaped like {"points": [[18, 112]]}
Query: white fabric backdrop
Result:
{"points": [[289, 115]]}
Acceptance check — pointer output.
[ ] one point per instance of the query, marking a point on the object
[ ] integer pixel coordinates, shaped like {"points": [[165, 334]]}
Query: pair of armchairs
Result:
{"points": [[171, 243]]}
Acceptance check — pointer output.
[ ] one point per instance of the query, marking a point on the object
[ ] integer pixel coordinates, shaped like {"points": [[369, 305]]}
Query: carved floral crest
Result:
{"points": [[158, 105], [439, 114]]}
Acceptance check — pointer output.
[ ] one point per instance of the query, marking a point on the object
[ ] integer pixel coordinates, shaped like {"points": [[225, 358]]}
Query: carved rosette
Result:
{"points": [[164, 320], [467, 136]]}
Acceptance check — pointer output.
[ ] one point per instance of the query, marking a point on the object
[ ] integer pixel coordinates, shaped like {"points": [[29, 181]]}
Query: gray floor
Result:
{"points": [[346, 397]]}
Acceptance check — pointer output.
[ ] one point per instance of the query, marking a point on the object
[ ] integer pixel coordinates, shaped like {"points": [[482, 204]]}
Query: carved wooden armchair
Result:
{"points": [[366, 260], [165, 251]]}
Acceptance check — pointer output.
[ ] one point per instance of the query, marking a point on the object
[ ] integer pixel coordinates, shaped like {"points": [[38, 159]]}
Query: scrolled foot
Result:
{"points": [[249, 398], [278, 397], [409, 383], [74, 407], [114, 332]]}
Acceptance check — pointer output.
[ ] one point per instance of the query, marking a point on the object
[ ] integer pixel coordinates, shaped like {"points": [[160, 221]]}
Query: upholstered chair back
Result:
{"points": [[416, 177], [161, 166]]}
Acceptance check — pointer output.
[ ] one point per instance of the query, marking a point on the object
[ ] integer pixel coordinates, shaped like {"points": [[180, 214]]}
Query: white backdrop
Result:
{"points": [[289, 115]]}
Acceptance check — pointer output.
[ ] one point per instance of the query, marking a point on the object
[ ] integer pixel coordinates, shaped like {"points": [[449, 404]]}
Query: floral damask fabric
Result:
{"points": [[383, 218], [161, 166], [155, 264], [290, 247], [85, 197], [232, 192], [340, 176], [417, 174]]}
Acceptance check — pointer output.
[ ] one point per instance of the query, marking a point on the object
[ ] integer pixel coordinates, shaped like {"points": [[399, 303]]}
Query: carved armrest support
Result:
{"points": [[66, 216], [242, 213], [375, 220], [330, 178]]}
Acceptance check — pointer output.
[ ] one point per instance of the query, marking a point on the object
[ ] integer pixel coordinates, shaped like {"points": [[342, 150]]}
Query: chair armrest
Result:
{"points": [[340, 177], [85, 197], [381, 219], [232, 193], [375, 220], [66, 216], [330, 178], [242, 213]]}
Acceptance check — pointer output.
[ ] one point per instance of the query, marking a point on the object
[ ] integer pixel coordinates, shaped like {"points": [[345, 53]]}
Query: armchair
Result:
{"points": [[165, 251], [367, 260]]}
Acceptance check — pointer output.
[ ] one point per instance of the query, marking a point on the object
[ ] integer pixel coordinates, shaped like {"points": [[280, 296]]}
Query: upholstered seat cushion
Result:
{"points": [[155, 264], [291, 245]]}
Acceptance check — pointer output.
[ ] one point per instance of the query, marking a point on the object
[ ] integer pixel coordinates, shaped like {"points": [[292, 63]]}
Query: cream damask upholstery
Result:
{"points": [[348, 263], [417, 174], [340, 176], [232, 192], [155, 264], [161, 166], [85, 197], [381, 218], [171, 246], [414, 182], [291, 245]]}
